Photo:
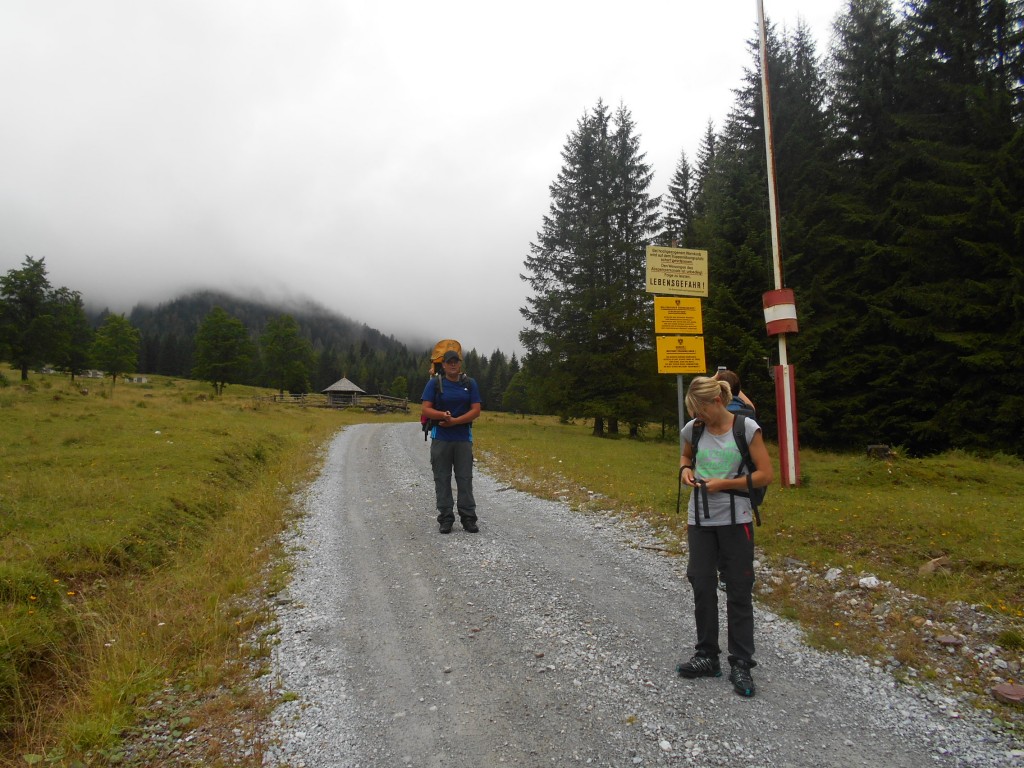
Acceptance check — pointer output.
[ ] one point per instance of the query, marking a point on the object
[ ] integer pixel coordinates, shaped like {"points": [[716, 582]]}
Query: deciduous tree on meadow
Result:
{"points": [[223, 350], [399, 387], [74, 334], [37, 322], [115, 350]]}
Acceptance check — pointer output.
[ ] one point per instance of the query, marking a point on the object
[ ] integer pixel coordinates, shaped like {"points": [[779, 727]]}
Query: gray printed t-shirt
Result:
{"points": [[719, 456]]}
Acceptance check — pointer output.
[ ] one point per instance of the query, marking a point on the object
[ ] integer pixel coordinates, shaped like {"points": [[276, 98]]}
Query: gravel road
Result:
{"points": [[548, 639]]}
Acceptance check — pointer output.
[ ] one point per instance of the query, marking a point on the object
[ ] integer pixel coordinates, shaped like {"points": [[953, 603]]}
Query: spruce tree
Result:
{"points": [[677, 216], [734, 228], [954, 256], [705, 162], [862, 70], [900, 199], [287, 355], [588, 319]]}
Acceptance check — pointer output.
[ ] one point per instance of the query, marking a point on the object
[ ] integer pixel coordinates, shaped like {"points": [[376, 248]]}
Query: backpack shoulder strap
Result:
{"points": [[698, 430], [429, 424], [739, 433]]}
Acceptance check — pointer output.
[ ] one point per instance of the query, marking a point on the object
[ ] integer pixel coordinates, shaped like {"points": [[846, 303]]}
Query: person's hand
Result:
{"points": [[688, 477], [715, 485]]}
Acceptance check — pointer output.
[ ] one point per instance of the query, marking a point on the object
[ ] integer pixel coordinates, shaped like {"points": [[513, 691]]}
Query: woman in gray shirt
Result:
{"points": [[720, 529]]}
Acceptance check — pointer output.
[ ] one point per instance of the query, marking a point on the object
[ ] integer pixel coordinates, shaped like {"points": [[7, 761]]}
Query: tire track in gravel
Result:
{"points": [[549, 638]]}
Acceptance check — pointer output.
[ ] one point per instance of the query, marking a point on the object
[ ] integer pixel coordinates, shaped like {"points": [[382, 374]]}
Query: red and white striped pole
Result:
{"points": [[780, 319], [779, 305]]}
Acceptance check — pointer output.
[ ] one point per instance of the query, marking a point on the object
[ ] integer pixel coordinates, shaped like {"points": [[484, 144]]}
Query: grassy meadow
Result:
{"points": [[134, 523], [138, 524]]}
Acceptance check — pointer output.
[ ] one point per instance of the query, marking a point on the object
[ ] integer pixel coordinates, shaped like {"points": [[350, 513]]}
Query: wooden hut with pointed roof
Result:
{"points": [[342, 394]]}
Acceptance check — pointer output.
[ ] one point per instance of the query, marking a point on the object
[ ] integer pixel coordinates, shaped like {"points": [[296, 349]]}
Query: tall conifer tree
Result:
{"points": [[862, 71], [955, 257], [705, 161], [588, 329], [836, 379], [678, 205]]}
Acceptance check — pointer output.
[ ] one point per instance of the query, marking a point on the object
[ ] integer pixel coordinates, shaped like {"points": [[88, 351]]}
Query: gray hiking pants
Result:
{"points": [[447, 458]]}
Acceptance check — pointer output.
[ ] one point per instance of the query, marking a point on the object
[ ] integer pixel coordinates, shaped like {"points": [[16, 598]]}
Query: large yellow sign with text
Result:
{"points": [[681, 354], [677, 315], [677, 271]]}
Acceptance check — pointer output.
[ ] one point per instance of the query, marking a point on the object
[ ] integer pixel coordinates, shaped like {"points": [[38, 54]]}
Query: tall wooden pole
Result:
{"points": [[779, 305]]}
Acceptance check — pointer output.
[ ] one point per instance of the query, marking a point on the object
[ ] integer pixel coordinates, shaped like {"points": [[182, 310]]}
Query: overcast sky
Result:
{"points": [[387, 160]]}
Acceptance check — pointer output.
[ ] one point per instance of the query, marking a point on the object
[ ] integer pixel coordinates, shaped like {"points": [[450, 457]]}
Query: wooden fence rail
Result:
{"points": [[374, 403]]}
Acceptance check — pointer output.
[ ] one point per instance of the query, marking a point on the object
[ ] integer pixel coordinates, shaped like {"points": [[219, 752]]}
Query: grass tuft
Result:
{"points": [[1011, 640]]}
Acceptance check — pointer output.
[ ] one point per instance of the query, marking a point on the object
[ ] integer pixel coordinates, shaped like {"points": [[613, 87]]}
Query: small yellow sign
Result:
{"points": [[677, 271], [675, 315], [681, 354]]}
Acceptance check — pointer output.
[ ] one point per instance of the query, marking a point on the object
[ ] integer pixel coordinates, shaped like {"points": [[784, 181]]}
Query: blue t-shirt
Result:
{"points": [[457, 398]]}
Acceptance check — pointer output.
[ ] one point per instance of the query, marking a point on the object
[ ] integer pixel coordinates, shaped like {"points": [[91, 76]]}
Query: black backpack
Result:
{"points": [[739, 433]]}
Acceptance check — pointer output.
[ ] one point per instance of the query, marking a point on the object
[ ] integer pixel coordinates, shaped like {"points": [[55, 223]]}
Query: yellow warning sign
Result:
{"points": [[676, 315], [681, 354], [677, 271]]}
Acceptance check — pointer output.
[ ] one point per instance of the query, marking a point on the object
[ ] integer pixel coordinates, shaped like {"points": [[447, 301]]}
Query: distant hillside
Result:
{"points": [[343, 347], [377, 363], [324, 329]]}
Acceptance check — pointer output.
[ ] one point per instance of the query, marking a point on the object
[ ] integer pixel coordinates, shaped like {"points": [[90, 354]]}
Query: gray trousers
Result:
{"points": [[447, 458]]}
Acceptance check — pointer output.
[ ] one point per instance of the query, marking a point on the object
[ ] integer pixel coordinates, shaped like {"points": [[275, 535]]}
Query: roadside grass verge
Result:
{"points": [[133, 526], [883, 517], [863, 515]]}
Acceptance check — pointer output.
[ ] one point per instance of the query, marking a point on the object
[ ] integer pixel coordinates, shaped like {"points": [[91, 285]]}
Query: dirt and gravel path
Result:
{"points": [[548, 639]]}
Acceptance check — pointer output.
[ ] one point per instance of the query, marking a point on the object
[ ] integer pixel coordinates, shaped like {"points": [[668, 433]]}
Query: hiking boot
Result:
{"points": [[470, 526], [741, 680], [700, 666], [446, 527]]}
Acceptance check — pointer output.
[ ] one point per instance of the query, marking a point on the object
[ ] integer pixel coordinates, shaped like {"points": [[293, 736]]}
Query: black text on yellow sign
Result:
{"points": [[681, 354], [673, 314], [677, 271]]}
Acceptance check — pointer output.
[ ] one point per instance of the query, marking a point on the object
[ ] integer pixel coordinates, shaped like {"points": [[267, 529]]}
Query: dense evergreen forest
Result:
{"points": [[901, 185], [376, 363], [900, 173]]}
